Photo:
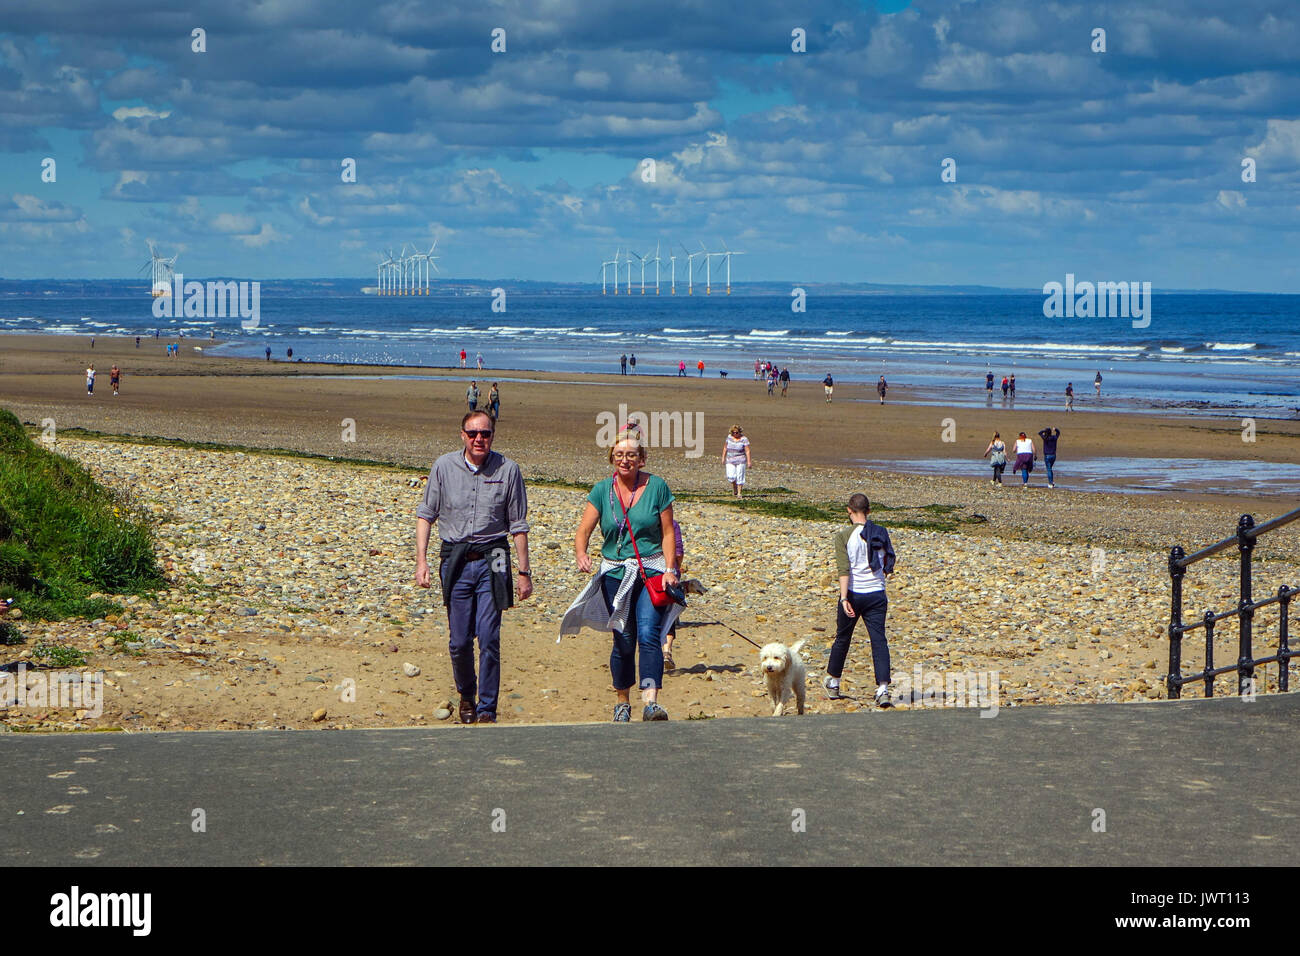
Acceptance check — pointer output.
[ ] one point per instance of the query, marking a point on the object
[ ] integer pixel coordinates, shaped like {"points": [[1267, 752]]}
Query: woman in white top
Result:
{"points": [[1025, 456], [735, 457]]}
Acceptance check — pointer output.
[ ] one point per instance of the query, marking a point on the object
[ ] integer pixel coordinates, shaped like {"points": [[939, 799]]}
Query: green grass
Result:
{"points": [[246, 449], [9, 634], [63, 536], [52, 655], [122, 638]]}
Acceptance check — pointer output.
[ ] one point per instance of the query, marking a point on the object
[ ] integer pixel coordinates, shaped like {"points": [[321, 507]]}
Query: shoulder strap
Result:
{"points": [[613, 487]]}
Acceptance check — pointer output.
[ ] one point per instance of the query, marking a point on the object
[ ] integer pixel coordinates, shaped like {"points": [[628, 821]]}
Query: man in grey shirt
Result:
{"points": [[471, 396], [477, 497]]}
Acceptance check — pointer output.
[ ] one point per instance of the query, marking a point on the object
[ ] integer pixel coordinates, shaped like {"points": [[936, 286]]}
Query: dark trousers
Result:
{"points": [[870, 607], [472, 612], [641, 632]]}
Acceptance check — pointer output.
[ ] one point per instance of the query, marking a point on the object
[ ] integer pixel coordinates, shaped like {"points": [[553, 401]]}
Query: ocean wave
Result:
{"points": [[535, 329], [683, 331], [1022, 347], [1231, 346], [763, 333]]}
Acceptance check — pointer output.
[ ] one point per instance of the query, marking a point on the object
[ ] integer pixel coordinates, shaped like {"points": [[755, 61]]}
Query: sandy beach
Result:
{"points": [[261, 626]]}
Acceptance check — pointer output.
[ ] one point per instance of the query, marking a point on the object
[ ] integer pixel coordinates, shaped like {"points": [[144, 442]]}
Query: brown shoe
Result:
{"points": [[487, 718], [467, 715]]}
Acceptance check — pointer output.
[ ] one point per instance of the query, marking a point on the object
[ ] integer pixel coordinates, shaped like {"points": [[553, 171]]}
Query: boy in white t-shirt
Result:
{"points": [[864, 558]]}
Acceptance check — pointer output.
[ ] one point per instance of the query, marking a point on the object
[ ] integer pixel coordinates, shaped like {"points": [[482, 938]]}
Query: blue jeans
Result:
{"points": [[1049, 461], [472, 611], [642, 630]]}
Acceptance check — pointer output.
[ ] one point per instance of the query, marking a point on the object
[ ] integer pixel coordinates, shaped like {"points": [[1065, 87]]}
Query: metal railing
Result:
{"points": [[1244, 612]]}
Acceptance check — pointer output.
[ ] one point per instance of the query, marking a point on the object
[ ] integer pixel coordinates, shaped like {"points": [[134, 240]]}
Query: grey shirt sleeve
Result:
{"points": [[516, 502], [430, 504]]}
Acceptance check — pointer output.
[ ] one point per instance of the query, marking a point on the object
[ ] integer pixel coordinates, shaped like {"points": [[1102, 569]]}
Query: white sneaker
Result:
{"points": [[832, 685], [882, 695]]}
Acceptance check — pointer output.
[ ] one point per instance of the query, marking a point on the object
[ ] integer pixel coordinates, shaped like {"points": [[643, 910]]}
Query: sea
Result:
{"points": [[1200, 352]]}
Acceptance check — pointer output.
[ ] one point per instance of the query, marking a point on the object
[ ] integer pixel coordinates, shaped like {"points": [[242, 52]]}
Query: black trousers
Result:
{"points": [[869, 607]]}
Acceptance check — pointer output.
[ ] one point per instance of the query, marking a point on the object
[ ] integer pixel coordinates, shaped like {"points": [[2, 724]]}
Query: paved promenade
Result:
{"points": [[1193, 782]]}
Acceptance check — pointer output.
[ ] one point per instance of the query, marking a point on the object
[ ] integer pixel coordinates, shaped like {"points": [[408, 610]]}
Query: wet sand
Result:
{"points": [[551, 425]]}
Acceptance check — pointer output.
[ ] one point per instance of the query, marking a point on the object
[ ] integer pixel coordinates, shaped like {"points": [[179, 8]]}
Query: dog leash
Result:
{"points": [[733, 631]]}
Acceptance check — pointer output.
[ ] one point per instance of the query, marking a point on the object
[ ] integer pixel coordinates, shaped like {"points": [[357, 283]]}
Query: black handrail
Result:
{"points": [[1247, 534]]}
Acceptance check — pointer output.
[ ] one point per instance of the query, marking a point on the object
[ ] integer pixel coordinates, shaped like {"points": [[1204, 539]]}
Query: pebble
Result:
{"points": [[442, 713], [410, 670], [1030, 624], [318, 716]]}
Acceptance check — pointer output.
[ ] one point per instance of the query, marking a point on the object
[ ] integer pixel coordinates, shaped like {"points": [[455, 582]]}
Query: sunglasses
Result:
{"points": [[477, 433]]}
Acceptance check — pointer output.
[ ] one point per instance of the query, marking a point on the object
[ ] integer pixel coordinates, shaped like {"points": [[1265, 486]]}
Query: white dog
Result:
{"points": [[784, 670]]}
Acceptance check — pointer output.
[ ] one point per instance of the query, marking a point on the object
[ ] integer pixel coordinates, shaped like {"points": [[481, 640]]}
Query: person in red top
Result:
{"points": [[463, 356], [700, 366]]}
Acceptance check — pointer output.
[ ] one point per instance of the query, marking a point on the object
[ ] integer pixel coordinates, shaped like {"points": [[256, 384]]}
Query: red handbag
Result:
{"points": [[653, 583]]}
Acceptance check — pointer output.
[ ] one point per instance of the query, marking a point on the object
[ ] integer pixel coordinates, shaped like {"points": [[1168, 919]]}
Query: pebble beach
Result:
{"points": [[291, 601]]}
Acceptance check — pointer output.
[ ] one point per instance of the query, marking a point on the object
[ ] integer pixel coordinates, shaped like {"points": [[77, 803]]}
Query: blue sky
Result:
{"points": [[821, 166]]}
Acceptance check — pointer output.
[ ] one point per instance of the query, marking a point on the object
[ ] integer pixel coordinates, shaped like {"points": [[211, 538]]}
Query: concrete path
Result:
{"points": [[1191, 782]]}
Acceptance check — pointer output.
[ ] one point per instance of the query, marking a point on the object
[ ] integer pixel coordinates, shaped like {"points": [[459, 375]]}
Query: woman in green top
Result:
{"points": [[648, 505]]}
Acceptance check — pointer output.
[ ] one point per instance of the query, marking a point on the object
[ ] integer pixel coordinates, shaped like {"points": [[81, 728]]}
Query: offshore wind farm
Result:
{"points": [[705, 267]]}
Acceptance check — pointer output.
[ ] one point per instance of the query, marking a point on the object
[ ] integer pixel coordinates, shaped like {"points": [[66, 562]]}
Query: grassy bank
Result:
{"points": [[64, 537]]}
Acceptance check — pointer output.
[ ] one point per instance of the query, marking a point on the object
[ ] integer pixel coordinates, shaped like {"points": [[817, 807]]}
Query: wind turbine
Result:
{"points": [[656, 260], [708, 269], [672, 258], [602, 273], [429, 262], [642, 260], [630, 254], [161, 272], [728, 254], [690, 270]]}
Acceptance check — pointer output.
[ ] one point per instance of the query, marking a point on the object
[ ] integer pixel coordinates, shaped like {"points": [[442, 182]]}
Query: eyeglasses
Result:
{"points": [[627, 456], [477, 433]]}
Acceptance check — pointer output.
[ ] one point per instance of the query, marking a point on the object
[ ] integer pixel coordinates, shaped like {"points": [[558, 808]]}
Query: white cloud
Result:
{"points": [[1282, 140], [267, 235], [234, 223], [139, 112]]}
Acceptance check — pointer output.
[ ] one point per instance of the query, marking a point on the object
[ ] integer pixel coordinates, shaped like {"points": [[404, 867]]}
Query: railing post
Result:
{"points": [[1283, 648], [1246, 614], [1173, 680], [1209, 653]]}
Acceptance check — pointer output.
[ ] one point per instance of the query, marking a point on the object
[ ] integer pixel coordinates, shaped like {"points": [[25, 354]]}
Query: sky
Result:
{"points": [[531, 162]]}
